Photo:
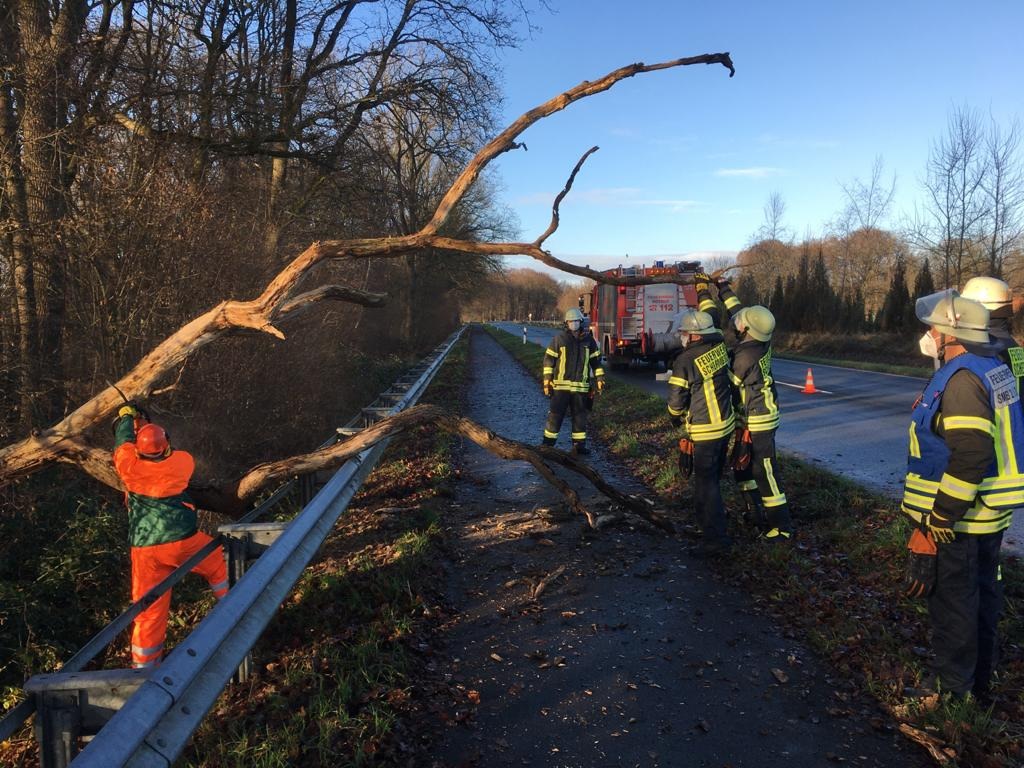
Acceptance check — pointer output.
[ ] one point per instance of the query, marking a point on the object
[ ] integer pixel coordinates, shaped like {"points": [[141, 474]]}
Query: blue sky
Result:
{"points": [[688, 156]]}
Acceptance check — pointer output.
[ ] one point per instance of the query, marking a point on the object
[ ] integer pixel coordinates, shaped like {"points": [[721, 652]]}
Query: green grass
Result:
{"points": [[839, 584]]}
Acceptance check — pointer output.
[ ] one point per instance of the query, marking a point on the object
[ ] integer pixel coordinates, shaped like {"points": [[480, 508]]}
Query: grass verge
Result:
{"points": [[902, 370], [838, 587], [334, 671]]}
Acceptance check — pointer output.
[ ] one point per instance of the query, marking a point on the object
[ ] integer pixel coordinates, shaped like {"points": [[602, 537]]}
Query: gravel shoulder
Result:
{"points": [[634, 653]]}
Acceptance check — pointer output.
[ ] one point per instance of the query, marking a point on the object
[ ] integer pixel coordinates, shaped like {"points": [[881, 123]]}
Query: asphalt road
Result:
{"points": [[856, 425]]}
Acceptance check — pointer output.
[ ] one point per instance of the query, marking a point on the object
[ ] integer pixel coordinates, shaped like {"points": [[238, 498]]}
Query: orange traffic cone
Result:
{"points": [[809, 384]]}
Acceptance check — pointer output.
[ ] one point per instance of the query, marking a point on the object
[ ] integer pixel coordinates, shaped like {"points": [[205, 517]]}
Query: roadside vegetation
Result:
{"points": [[67, 547], [884, 352], [837, 588]]}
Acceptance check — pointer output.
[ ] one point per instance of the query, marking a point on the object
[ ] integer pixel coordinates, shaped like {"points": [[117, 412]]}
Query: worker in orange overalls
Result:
{"points": [[161, 524]]}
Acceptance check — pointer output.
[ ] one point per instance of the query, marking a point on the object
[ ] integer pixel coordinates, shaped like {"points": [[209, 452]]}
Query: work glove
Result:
{"points": [[722, 282], [940, 528], [677, 421], [922, 565], [686, 457], [742, 450], [127, 410], [600, 386], [546, 386], [700, 281]]}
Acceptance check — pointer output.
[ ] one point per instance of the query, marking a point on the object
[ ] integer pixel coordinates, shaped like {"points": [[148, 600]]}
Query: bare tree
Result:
{"points": [[1003, 185], [955, 204]]}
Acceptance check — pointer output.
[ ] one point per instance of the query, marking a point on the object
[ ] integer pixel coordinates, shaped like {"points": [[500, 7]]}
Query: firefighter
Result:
{"points": [[995, 296], [755, 464], [572, 375], [756, 468], [964, 479], [161, 525], [700, 401]]}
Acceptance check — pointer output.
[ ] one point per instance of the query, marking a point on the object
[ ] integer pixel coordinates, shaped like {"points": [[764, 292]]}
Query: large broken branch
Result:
{"points": [[233, 498], [59, 442]]}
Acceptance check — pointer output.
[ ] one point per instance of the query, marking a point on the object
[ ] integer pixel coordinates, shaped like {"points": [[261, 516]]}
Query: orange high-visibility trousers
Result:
{"points": [[150, 566]]}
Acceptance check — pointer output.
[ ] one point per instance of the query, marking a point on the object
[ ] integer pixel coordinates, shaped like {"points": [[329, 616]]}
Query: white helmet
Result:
{"points": [[694, 321], [952, 314], [572, 316], [993, 293]]}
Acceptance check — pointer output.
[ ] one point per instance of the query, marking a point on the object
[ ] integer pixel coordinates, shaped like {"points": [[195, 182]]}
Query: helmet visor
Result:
{"points": [[929, 308]]}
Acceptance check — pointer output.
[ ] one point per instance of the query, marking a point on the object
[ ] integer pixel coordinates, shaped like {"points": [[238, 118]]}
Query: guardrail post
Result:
{"points": [[57, 727], [246, 542]]}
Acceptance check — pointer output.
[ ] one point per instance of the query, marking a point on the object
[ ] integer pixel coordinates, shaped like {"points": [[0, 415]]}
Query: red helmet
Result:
{"points": [[151, 441]]}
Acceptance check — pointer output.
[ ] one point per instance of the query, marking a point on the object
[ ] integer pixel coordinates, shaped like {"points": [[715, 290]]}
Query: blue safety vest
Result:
{"points": [[1002, 489]]}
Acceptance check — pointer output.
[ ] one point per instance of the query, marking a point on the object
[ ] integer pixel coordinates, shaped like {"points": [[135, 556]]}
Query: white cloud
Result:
{"points": [[755, 172]]}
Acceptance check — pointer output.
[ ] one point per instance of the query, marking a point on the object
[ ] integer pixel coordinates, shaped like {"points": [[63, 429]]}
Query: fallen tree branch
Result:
{"points": [[540, 586], [260, 314]]}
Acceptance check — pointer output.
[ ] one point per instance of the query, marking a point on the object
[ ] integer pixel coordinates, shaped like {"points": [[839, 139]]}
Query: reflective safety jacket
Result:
{"points": [[699, 389], [757, 402], [572, 364], [159, 508], [729, 300], [967, 446]]}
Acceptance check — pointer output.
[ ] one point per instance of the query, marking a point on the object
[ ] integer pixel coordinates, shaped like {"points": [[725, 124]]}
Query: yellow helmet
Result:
{"points": [[757, 321]]}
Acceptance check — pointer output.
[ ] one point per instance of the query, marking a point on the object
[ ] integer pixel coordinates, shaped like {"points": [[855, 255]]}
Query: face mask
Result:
{"points": [[928, 346], [684, 339]]}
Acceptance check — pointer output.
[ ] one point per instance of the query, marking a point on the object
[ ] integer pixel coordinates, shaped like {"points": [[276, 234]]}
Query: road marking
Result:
{"points": [[847, 368], [801, 386]]}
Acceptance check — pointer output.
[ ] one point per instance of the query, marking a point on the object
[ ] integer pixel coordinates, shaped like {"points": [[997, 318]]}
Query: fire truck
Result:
{"points": [[636, 322]]}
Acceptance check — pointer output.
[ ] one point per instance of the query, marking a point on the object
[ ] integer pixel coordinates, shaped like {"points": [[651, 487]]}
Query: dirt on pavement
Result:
{"points": [[614, 648]]}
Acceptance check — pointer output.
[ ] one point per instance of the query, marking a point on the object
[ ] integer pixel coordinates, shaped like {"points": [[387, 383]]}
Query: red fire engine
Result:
{"points": [[631, 322]]}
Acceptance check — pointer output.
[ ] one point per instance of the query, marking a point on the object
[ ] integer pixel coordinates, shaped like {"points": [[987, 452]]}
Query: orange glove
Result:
{"points": [[685, 457], [600, 386], [921, 568]]}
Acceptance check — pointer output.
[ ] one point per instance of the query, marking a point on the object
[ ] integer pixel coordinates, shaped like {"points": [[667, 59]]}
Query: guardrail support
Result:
{"points": [[71, 707], [244, 542]]}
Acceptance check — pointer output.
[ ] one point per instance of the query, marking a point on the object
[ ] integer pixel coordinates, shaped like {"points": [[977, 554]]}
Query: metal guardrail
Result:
{"points": [[153, 726]]}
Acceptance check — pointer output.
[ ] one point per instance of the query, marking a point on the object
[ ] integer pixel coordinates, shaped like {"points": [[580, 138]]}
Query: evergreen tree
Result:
{"points": [[924, 285], [893, 316], [777, 302], [821, 297], [746, 289]]}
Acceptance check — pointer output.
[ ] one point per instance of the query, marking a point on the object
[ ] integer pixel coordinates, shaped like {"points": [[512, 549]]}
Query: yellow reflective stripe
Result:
{"points": [[705, 305], [773, 501], [1007, 457], [913, 514], [763, 418], [552, 435], [918, 483], [548, 371], [711, 431], [915, 445], [748, 485], [561, 364], [776, 491], [674, 412], [731, 302], [957, 488], [679, 382], [736, 380], [711, 396], [579, 435], [595, 353], [984, 520], [571, 386], [599, 371], [968, 422], [549, 351]]}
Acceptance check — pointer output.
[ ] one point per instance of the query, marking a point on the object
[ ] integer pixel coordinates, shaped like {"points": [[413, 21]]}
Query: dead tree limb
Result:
{"points": [[58, 442]]}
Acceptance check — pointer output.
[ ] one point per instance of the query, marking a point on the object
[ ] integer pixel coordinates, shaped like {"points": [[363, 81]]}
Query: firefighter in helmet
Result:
{"points": [[994, 294], [755, 464], [162, 524], [965, 476], [572, 375], [700, 401]]}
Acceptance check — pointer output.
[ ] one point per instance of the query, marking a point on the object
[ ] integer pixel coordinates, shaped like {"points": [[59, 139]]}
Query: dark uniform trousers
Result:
{"points": [[764, 471], [708, 462], [576, 403], [964, 609]]}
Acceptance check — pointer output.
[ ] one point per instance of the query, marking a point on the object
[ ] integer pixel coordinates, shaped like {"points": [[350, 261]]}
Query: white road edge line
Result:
{"points": [[801, 386], [847, 368]]}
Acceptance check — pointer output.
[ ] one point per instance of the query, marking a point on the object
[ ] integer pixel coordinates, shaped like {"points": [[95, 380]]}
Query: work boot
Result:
{"points": [[548, 441], [755, 510], [580, 449], [777, 536]]}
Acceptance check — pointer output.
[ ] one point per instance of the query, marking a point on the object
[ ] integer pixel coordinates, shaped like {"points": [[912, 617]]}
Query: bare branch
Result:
{"points": [[558, 200]]}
